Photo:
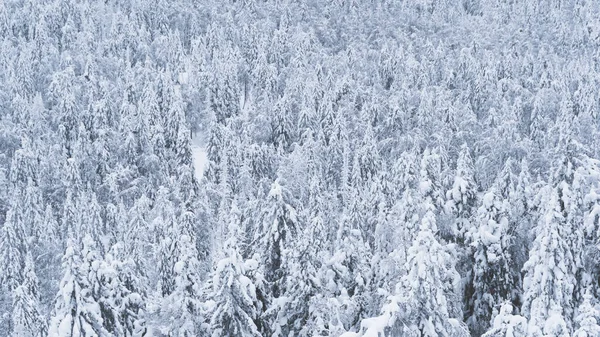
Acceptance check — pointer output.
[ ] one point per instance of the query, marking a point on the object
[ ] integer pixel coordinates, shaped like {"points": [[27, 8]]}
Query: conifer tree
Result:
{"points": [[462, 197], [167, 250], [278, 228], [64, 93], [587, 319], [127, 292], [493, 282], [419, 305], [523, 211], [136, 234], [76, 312], [12, 251], [351, 273], [299, 310], [27, 320], [183, 303], [426, 286], [549, 281], [235, 311]]}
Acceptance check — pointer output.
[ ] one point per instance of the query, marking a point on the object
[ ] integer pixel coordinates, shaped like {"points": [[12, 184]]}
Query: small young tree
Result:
{"points": [[587, 319]]}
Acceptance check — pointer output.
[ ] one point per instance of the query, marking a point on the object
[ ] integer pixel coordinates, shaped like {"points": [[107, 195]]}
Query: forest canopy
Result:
{"points": [[373, 168]]}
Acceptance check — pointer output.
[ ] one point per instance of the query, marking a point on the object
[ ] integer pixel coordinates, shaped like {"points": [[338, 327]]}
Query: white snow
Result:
{"points": [[183, 78], [488, 200], [251, 264], [199, 156]]}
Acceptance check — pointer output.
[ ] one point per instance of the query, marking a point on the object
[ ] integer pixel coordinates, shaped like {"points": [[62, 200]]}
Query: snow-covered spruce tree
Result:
{"points": [[274, 238], [20, 220], [300, 311], [420, 303], [587, 318], [353, 255], [553, 273], [88, 215], [104, 285], [217, 142], [182, 142], [591, 224], [492, 279], [12, 251], [506, 181], [514, 199], [223, 87], [282, 126], [222, 212], [27, 318], [347, 274], [166, 251], [366, 187], [33, 207], [429, 199], [524, 212], [426, 286], [64, 89], [234, 295], [405, 177], [183, 305], [76, 312], [549, 277], [136, 235], [234, 311], [461, 198], [419, 306], [126, 292], [278, 227], [429, 180], [367, 161]]}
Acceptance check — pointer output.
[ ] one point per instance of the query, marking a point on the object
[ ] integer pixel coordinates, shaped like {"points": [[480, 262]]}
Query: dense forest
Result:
{"points": [[397, 168]]}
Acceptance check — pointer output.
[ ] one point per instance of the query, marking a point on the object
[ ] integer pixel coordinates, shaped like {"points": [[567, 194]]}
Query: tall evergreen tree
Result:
{"points": [[278, 228], [493, 281], [12, 251], [27, 318], [461, 198], [235, 311], [549, 279], [183, 304], [76, 312]]}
